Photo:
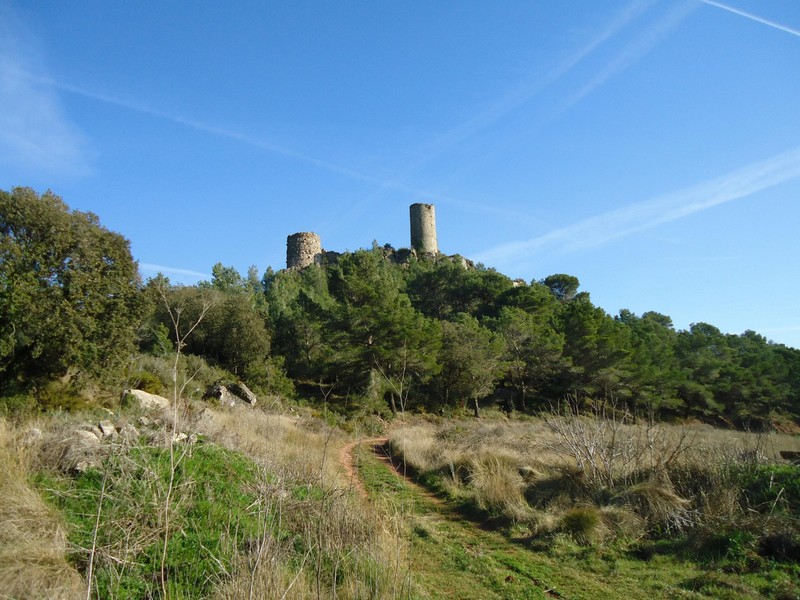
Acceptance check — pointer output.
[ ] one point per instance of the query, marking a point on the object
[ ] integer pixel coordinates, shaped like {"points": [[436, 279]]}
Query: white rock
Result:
{"points": [[86, 436], [145, 400], [129, 432], [107, 428]]}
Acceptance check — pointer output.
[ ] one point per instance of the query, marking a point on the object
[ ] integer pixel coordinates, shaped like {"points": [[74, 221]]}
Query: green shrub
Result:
{"points": [[768, 488], [58, 396], [17, 406], [148, 382], [583, 523]]}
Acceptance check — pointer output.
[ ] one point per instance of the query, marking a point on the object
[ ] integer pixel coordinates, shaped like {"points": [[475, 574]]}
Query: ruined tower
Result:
{"points": [[423, 229], [303, 249]]}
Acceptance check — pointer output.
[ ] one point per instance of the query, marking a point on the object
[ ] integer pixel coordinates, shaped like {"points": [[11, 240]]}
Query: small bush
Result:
{"points": [[148, 382], [55, 396], [768, 488], [658, 504], [583, 523], [498, 486]]}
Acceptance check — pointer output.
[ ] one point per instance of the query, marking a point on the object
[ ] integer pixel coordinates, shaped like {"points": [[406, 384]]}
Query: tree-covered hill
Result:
{"points": [[367, 332]]}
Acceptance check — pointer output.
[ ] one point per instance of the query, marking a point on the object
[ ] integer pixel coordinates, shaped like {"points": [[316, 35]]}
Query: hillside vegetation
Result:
{"points": [[368, 335], [596, 470]]}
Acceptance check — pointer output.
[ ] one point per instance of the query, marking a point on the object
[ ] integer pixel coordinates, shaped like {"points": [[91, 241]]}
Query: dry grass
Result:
{"points": [[351, 551], [318, 538], [639, 476], [32, 541]]}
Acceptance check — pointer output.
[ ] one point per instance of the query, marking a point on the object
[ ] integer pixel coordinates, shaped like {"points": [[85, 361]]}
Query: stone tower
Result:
{"points": [[303, 249], [423, 229]]}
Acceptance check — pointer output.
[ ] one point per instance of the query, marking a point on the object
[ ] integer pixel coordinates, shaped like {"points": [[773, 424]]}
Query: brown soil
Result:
{"points": [[347, 460]]}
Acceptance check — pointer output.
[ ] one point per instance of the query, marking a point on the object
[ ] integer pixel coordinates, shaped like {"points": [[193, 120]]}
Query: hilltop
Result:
{"points": [[542, 447]]}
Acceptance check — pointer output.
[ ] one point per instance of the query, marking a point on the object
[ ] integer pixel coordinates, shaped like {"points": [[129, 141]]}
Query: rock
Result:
{"points": [[243, 392], [145, 400], [129, 433], [223, 395], [87, 436], [107, 428], [84, 465], [144, 422], [87, 428], [180, 437]]}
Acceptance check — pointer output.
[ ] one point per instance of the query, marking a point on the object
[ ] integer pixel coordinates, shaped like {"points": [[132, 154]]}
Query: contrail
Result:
{"points": [[210, 129], [752, 17], [151, 268], [639, 47], [634, 218]]}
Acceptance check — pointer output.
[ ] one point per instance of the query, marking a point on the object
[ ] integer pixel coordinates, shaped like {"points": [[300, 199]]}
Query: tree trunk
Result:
{"points": [[476, 407]]}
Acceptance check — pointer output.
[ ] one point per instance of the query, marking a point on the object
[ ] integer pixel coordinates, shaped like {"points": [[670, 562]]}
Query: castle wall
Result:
{"points": [[302, 250], [423, 228]]}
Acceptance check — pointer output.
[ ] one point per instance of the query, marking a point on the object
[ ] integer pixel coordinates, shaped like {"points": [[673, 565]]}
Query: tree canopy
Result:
{"points": [[379, 329], [70, 302]]}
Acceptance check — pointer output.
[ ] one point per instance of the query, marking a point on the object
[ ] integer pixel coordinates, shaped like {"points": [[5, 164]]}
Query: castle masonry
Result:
{"points": [[303, 249], [423, 229]]}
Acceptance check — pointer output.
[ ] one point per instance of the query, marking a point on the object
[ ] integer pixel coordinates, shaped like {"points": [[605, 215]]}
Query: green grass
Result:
{"points": [[214, 511]]}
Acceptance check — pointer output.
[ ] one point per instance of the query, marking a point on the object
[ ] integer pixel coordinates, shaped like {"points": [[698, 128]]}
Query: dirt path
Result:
{"points": [[347, 459], [451, 557]]}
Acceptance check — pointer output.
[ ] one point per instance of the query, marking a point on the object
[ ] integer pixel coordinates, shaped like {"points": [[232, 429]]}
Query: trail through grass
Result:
{"points": [[453, 556]]}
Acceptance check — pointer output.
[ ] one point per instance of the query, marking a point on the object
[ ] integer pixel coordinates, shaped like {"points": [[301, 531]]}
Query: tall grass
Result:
{"points": [[347, 549], [603, 479], [33, 543]]}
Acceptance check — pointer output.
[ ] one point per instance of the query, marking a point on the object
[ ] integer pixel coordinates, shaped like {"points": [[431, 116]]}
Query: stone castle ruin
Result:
{"points": [[305, 248], [302, 250], [423, 229]]}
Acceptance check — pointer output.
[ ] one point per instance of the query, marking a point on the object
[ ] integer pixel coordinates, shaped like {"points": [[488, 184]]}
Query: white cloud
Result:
{"points": [[634, 218], [35, 133]]}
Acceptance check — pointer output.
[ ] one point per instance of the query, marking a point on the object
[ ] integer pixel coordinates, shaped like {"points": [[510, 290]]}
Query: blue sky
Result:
{"points": [[652, 149]]}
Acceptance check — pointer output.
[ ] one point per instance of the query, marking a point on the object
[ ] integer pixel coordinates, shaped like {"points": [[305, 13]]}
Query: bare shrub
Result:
{"points": [[613, 448]]}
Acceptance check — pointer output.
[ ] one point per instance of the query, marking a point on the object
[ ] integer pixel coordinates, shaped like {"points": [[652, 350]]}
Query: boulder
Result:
{"points": [[243, 392], [223, 395], [86, 437], [145, 400]]}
